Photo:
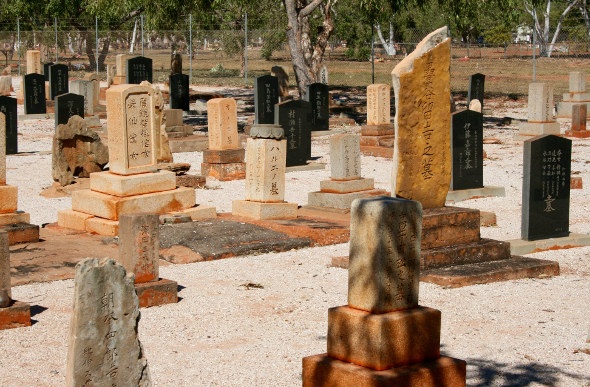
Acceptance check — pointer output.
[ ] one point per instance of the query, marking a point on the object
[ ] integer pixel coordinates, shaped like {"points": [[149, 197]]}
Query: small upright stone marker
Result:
{"points": [[422, 151], [179, 92], [9, 109], [579, 119], [476, 88], [266, 96], [58, 80], [66, 106], [103, 348], [378, 105], [575, 96], [139, 69], [13, 314], [86, 89], [318, 95], [540, 112], [377, 135], [383, 337], [34, 62], [467, 150], [34, 94], [294, 117]]}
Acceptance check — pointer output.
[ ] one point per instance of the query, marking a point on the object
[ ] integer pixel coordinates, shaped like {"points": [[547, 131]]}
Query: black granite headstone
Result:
{"points": [[58, 80], [318, 95], [266, 96], [46, 70], [68, 105], [179, 92], [476, 88], [8, 107], [34, 94], [467, 150], [295, 118], [139, 69], [546, 187]]}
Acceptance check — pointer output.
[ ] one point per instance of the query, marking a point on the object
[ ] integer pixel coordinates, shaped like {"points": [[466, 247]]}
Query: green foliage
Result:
{"points": [[360, 53], [272, 41], [498, 35]]}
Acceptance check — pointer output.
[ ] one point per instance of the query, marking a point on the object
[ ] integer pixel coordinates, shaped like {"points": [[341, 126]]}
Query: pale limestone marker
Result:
{"points": [[139, 243], [5, 85], [422, 160], [576, 95], [222, 123], [86, 89], [103, 348], [384, 268], [378, 104], [121, 64], [540, 112], [34, 62], [345, 157]]}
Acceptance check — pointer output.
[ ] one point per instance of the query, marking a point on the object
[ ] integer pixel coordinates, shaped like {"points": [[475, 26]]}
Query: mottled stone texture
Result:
{"points": [[345, 157], [422, 151], [265, 170], [4, 264], [222, 123], [139, 241], [384, 269], [2, 149], [34, 62], [103, 348]]}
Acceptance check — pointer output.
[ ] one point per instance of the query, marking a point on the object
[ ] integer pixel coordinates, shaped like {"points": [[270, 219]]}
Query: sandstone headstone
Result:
{"points": [[7, 71], [345, 157], [475, 105], [8, 107], [5, 266], [58, 80], [422, 150], [5, 85], [34, 94], [266, 96], [139, 242], [131, 129], [222, 124], [162, 145], [540, 102], [104, 349], [265, 173], [378, 104], [179, 92], [93, 77], [384, 266], [579, 117], [577, 82], [86, 89], [283, 79], [77, 151], [33, 62], [121, 64], [111, 73], [139, 69]]}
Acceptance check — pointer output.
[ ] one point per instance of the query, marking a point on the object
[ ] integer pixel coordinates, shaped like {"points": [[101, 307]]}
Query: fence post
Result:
{"points": [[141, 18], [96, 23], [190, 48], [56, 48], [245, 48], [18, 44]]}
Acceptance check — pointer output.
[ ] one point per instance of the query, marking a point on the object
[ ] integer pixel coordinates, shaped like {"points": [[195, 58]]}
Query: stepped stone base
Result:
{"points": [[259, 210], [564, 108], [17, 315], [473, 193], [529, 129], [577, 133], [21, 232], [156, 293], [8, 198], [347, 186], [224, 156], [384, 141], [224, 172], [192, 143], [339, 200], [14, 217], [377, 151], [448, 226], [322, 370]]}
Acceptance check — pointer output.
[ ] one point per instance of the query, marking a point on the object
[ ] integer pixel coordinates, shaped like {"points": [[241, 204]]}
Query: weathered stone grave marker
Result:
{"points": [[13, 314], [576, 95], [546, 187], [318, 95], [33, 62], [139, 69], [476, 88], [103, 348], [68, 105], [540, 112], [295, 118], [467, 150], [179, 92], [34, 94], [394, 341], [87, 90], [579, 120], [9, 109], [266, 96], [378, 134], [46, 67], [58, 80]]}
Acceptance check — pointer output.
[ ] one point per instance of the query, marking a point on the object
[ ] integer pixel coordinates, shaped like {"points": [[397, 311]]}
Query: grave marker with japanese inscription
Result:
{"points": [[295, 118], [266, 96], [179, 92], [476, 88], [8, 107], [68, 105], [58, 80], [34, 94], [318, 95], [139, 69], [467, 150], [87, 90]]}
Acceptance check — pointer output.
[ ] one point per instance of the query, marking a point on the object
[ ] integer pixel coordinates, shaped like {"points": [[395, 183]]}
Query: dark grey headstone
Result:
{"points": [[318, 95], [546, 187], [68, 105], [266, 96], [139, 69], [467, 150], [295, 118], [8, 107], [46, 70], [58, 80], [179, 92], [34, 94], [476, 88]]}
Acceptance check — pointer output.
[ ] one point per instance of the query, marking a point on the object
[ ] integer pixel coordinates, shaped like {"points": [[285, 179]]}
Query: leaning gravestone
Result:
{"points": [[476, 88], [86, 89], [104, 349], [546, 187], [422, 150], [58, 80], [295, 118], [8, 107], [139, 69], [467, 150], [34, 94], [266, 96], [179, 92], [318, 95], [46, 67], [68, 105]]}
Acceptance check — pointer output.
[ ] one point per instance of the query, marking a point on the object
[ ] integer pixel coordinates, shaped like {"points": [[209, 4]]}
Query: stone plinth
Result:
{"points": [[224, 165], [17, 315], [540, 112], [119, 185], [576, 95], [579, 117], [260, 210], [154, 293]]}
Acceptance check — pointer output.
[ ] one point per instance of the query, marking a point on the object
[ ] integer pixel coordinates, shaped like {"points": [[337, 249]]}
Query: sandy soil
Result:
{"points": [[224, 333]]}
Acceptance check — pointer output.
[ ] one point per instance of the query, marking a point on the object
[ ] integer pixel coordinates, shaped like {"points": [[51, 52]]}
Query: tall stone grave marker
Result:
{"points": [[295, 118], [540, 112], [579, 121], [13, 314], [476, 88], [58, 80], [5, 85], [266, 154], [318, 95], [224, 159], [68, 105], [33, 62], [576, 95], [546, 187], [139, 69], [467, 150], [422, 151], [46, 67], [103, 348], [176, 63], [346, 183], [266, 96], [324, 75], [378, 134], [394, 341], [139, 240], [179, 92], [87, 90], [8, 108], [34, 94]]}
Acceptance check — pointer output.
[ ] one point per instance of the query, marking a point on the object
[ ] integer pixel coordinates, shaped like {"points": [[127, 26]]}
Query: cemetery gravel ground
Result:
{"points": [[248, 321]]}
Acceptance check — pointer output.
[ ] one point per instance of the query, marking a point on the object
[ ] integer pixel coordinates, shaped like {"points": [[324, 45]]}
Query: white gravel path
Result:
{"points": [[516, 333]]}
